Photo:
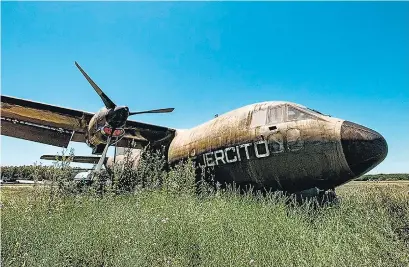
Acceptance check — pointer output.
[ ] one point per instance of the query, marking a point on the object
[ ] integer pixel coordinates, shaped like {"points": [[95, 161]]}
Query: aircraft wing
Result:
{"points": [[57, 126]]}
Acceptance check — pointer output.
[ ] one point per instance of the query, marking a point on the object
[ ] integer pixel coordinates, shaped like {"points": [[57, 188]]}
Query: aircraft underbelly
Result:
{"points": [[314, 166]]}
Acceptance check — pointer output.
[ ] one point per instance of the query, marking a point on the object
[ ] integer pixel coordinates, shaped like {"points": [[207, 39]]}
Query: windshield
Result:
{"points": [[267, 116], [316, 111], [296, 114]]}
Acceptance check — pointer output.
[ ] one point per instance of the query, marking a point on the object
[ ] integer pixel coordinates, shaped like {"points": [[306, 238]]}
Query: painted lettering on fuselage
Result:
{"points": [[247, 151]]}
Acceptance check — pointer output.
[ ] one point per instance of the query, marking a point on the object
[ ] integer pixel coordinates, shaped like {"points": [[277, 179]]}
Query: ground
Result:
{"points": [[369, 227]]}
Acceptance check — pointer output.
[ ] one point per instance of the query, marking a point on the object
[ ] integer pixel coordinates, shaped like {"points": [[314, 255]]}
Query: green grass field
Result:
{"points": [[384, 177], [369, 227]]}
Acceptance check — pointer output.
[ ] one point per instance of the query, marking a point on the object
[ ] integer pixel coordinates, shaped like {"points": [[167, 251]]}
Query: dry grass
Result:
{"points": [[370, 227]]}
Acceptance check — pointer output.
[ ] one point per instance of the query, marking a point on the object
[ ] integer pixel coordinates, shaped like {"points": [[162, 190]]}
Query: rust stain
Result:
{"points": [[40, 117], [303, 148]]}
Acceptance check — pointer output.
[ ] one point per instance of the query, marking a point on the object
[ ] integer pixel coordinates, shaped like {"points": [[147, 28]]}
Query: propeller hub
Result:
{"points": [[117, 116]]}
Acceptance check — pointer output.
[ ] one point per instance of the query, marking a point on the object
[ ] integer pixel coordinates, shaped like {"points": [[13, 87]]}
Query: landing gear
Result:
{"points": [[321, 196]]}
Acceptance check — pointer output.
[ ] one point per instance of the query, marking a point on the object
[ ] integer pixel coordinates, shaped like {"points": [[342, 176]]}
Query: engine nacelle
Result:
{"points": [[99, 130]]}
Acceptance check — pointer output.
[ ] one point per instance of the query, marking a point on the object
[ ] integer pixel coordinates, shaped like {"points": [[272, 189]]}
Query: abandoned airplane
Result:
{"points": [[276, 145]]}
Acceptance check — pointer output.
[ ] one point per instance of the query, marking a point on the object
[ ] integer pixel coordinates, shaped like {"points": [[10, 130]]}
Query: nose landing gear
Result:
{"points": [[322, 196]]}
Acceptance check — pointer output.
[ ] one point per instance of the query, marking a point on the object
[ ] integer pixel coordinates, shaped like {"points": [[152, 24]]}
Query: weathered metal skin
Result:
{"points": [[94, 135], [290, 156], [52, 117], [134, 157], [275, 145]]}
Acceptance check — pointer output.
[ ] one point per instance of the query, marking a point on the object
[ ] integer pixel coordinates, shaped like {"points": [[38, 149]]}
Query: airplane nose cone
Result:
{"points": [[363, 148]]}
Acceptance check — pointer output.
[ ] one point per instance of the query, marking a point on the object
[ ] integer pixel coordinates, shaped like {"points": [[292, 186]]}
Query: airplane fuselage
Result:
{"points": [[280, 146]]}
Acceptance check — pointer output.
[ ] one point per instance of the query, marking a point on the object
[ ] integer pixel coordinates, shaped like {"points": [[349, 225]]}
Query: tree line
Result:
{"points": [[41, 172], [34, 172]]}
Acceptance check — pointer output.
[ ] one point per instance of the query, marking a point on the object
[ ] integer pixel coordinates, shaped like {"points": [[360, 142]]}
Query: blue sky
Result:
{"points": [[347, 59]]}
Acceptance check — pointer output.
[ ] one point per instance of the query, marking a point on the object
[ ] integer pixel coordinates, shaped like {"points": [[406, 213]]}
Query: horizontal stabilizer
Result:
{"points": [[78, 159]]}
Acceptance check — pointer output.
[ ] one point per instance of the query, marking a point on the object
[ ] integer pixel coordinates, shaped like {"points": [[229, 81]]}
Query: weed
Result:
{"points": [[161, 216]]}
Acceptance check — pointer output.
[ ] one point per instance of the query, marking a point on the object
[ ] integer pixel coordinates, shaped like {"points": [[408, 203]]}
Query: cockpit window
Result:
{"points": [[294, 114], [258, 118], [267, 116], [316, 111], [275, 115]]}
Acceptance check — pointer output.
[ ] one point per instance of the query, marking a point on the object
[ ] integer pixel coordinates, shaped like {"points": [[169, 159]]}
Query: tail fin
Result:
{"points": [[79, 159]]}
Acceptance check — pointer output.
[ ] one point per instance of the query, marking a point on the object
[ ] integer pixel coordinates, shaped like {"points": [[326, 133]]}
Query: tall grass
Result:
{"points": [[160, 220]]}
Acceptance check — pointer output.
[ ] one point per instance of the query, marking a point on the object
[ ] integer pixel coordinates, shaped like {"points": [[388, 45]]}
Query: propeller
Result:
{"points": [[116, 116]]}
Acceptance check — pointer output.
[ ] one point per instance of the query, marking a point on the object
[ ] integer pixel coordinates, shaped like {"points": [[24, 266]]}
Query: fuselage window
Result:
{"points": [[274, 115], [294, 114]]}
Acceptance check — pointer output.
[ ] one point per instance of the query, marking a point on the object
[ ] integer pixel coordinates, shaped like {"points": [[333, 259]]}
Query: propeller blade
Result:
{"points": [[163, 110], [108, 103]]}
